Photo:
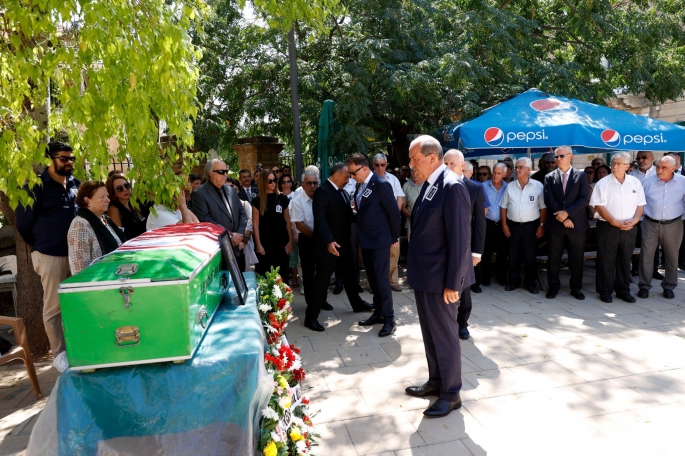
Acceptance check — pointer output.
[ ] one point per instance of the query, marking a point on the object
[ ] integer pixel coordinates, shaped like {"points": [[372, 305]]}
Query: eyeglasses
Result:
{"points": [[312, 184], [220, 171], [64, 159], [277, 171], [521, 167], [380, 165], [270, 181], [560, 156], [483, 174], [589, 172], [120, 188], [643, 157], [354, 173], [287, 182], [617, 164]]}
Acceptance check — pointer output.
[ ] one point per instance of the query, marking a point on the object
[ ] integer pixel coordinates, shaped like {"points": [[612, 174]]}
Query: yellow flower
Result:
{"points": [[282, 382], [285, 402], [295, 436], [270, 449]]}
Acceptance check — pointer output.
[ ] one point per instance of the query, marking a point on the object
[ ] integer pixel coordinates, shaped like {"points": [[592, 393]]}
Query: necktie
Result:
{"points": [[362, 189], [343, 193], [564, 178], [228, 206], [419, 200]]}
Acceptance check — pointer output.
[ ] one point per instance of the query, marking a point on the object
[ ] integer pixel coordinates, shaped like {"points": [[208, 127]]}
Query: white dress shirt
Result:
{"points": [[665, 200], [396, 186], [620, 200], [642, 176], [523, 204], [301, 210]]}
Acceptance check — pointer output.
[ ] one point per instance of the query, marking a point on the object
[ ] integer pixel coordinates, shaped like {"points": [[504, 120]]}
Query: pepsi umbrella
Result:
{"points": [[536, 121]]}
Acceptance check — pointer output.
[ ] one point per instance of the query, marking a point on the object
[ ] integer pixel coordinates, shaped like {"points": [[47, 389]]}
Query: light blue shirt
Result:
{"points": [[494, 197], [665, 200]]}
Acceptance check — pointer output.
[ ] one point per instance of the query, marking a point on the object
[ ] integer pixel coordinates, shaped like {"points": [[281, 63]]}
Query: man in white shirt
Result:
{"points": [[645, 166], [302, 216], [523, 213], [619, 200], [380, 165]]}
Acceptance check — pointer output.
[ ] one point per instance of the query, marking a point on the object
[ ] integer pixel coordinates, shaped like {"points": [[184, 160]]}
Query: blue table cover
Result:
{"points": [[208, 405]]}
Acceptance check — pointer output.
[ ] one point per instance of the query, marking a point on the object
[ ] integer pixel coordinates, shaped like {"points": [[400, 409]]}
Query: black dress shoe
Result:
{"points": [[372, 320], [463, 333], [668, 294], [314, 325], [388, 328], [681, 266], [338, 289], [551, 294], [442, 407], [578, 295], [627, 297], [658, 276], [476, 289], [606, 298], [363, 307], [533, 290], [643, 293], [326, 306], [422, 391], [510, 288]]}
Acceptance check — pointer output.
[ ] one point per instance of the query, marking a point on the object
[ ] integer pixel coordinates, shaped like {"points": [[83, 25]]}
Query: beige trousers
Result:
{"points": [[393, 273], [52, 270]]}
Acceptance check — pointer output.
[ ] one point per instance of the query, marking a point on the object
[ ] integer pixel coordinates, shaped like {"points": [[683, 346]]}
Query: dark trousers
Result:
{"points": [[377, 266], [522, 245], [440, 333], [575, 243], [354, 239], [614, 249], [635, 262], [274, 256], [465, 306], [305, 246], [681, 253], [495, 242], [326, 264]]}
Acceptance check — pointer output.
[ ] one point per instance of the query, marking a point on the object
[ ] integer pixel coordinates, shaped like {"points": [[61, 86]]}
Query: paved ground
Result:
{"points": [[541, 377]]}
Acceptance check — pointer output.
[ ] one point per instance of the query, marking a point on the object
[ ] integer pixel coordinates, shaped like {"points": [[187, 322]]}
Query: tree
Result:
{"points": [[98, 73]]}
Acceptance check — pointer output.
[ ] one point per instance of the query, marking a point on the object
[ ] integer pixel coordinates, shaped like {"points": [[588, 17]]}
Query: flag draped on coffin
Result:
{"points": [[536, 121], [327, 128]]}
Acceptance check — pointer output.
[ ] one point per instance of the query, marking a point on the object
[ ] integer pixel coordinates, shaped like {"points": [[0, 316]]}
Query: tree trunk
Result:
{"points": [[400, 144], [29, 288]]}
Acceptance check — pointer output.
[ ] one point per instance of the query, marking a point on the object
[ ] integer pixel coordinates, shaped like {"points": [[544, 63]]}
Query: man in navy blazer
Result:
{"points": [[378, 225], [439, 269], [567, 194], [454, 160]]}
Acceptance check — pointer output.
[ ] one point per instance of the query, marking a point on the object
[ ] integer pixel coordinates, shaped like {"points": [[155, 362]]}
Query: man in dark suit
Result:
{"points": [[454, 160], [218, 203], [378, 224], [333, 218], [567, 194], [248, 191], [439, 269]]}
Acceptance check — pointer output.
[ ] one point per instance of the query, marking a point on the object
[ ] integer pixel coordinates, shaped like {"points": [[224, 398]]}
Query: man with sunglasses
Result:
{"points": [[547, 165], [567, 194], [44, 226], [380, 165]]}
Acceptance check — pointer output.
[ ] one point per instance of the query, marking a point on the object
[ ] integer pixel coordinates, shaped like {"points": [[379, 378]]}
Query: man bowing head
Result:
{"points": [[439, 268]]}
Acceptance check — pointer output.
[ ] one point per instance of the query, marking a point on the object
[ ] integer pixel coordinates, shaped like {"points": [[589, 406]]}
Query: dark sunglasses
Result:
{"points": [[643, 157], [589, 172], [120, 188], [312, 184], [380, 165], [597, 164], [483, 174], [560, 156], [276, 171], [270, 181], [65, 159], [287, 182], [220, 171]]}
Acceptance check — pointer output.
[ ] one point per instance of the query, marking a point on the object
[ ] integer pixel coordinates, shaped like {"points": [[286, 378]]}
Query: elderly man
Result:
{"points": [[468, 170], [619, 200], [483, 174], [523, 215], [665, 196], [567, 194], [680, 170], [495, 240], [454, 160], [302, 216], [547, 164], [248, 191], [645, 169], [218, 203], [439, 269], [380, 165]]}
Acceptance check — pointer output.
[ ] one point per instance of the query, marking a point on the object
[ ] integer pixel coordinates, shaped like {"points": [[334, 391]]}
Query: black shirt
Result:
{"points": [[133, 224], [272, 226]]}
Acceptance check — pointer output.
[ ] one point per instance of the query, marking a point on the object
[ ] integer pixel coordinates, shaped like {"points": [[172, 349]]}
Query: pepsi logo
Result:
{"points": [[494, 136], [611, 138], [553, 105]]}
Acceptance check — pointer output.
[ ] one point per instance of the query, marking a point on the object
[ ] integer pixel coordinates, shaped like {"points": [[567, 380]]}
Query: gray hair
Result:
{"points": [[429, 145], [670, 160], [499, 165], [310, 173], [469, 166], [528, 162], [623, 155], [566, 149], [313, 169], [456, 152], [336, 168], [210, 166], [380, 157]]}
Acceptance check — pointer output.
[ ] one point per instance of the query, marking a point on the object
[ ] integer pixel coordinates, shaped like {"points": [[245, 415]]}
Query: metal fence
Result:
{"points": [[307, 159]]}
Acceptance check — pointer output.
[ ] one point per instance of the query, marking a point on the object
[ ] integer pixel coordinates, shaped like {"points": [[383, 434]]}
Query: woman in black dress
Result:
{"points": [[273, 237], [131, 221]]}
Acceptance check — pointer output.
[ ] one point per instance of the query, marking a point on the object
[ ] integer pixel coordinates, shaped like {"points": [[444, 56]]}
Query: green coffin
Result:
{"points": [[141, 306]]}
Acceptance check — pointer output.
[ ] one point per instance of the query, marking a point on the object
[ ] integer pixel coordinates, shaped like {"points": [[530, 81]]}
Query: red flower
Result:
{"points": [[295, 349], [278, 364], [305, 401], [298, 375], [281, 304], [279, 280], [288, 289]]}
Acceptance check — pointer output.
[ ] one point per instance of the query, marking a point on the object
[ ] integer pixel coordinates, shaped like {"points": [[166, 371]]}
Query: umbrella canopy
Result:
{"points": [[327, 128], [536, 122]]}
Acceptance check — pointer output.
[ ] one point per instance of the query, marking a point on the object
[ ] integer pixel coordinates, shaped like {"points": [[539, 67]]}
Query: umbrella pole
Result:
{"points": [[295, 102], [528, 152]]}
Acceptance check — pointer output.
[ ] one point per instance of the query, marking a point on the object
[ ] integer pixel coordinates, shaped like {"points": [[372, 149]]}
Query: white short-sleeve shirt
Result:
{"points": [[523, 204], [620, 200], [163, 217], [301, 210], [395, 182]]}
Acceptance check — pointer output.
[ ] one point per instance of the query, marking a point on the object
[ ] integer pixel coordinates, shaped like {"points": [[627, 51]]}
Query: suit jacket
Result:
{"points": [[378, 216], [477, 196], [243, 195], [209, 207], [333, 218], [574, 201], [439, 251]]}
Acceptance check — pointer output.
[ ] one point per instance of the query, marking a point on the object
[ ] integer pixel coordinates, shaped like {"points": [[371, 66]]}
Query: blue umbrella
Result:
{"points": [[536, 122]]}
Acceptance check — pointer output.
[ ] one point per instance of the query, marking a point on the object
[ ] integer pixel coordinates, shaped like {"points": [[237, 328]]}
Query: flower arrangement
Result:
{"points": [[286, 428]]}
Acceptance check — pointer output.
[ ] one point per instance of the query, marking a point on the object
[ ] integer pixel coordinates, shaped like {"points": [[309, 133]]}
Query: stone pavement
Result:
{"points": [[541, 377]]}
